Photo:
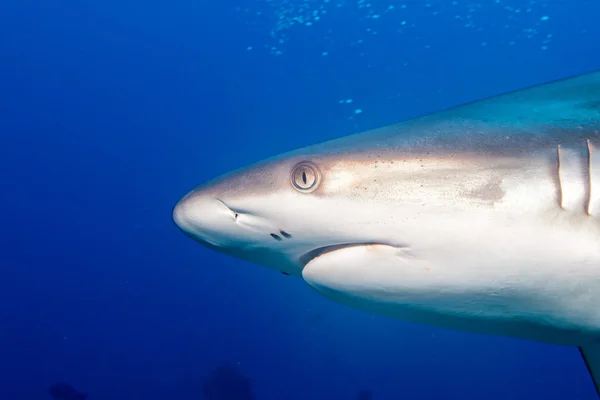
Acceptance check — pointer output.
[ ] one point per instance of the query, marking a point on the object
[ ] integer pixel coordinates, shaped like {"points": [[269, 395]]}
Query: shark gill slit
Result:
{"points": [[594, 179], [560, 184], [590, 178], [576, 178], [587, 178]]}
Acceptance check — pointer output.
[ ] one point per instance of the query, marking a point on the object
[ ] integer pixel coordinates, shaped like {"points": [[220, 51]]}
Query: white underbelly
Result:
{"points": [[516, 275], [531, 283]]}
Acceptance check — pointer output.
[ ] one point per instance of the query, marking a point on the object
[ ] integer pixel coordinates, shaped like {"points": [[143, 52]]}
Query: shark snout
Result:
{"points": [[204, 218]]}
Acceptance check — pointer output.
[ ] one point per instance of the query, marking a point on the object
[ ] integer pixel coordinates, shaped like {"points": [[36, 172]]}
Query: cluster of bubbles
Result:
{"points": [[522, 19]]}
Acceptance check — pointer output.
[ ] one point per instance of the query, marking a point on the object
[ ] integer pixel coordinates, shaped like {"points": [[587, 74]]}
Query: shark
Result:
{"points": [[482, 217]]}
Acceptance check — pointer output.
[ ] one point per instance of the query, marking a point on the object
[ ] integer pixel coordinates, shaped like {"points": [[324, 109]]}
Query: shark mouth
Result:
{"points": [[319, 251]]}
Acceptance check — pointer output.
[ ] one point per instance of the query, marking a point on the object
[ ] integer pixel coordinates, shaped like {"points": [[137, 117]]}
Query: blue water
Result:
{"points": [[111, 110]]}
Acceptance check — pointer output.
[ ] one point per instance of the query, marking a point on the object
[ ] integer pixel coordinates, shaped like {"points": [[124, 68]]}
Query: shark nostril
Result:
{"points": [[233, 212], [276, 237], [285, 234]]}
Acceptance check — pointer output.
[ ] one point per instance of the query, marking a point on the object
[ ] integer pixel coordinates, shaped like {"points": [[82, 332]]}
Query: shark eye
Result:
{"points": [[305, 177]]}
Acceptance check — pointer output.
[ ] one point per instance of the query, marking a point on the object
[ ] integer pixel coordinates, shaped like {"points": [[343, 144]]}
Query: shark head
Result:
{"points": [[284, 211], [383, 187]]}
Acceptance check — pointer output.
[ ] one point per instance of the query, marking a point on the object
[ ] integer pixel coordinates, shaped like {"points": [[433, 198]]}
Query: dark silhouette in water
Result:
{"points": [[365, 395], [64, 391], [226, 382]]}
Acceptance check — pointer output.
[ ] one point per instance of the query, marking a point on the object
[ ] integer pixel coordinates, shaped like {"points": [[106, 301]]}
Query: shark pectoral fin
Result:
{"points": [[591, 356], [366, 276]]}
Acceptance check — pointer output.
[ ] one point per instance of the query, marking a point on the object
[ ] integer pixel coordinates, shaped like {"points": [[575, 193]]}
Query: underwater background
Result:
{"points": [[112, 110]]}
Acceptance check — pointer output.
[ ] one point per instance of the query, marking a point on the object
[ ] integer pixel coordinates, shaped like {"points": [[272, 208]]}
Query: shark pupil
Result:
{"points": [[305, 177]]}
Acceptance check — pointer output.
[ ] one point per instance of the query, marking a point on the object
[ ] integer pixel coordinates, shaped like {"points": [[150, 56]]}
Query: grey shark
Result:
{"points": [[483, 217]]}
